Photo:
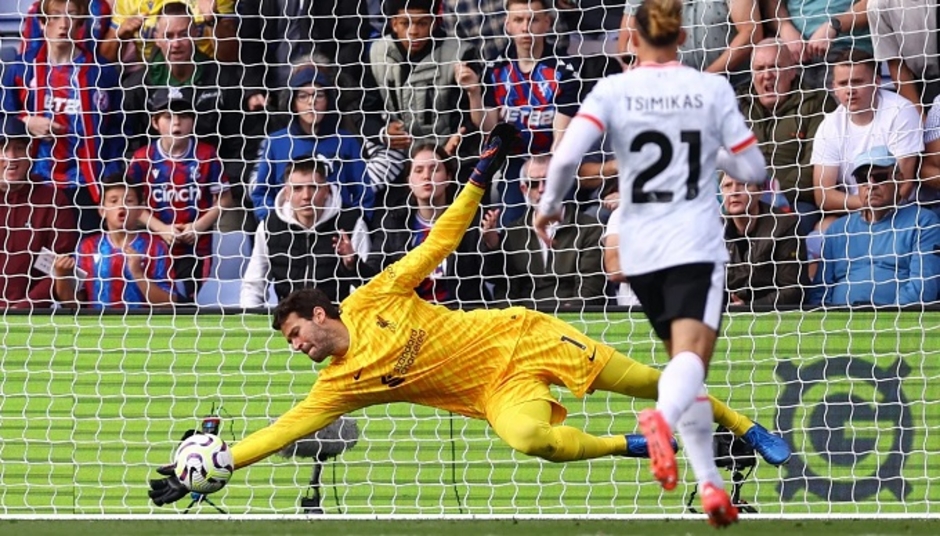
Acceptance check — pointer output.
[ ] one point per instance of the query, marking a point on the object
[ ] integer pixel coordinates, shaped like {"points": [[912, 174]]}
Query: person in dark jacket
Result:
{"points": [[458, 280], [567, 273], [767, 254], [297, 244], [33, 215]]}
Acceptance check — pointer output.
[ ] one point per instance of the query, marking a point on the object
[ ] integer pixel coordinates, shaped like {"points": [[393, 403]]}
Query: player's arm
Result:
{"points": [[448, 231], [582, 132], [315, 412]]}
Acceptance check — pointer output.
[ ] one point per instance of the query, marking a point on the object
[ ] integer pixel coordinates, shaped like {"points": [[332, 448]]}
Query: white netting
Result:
{"points": [[91, 403]]}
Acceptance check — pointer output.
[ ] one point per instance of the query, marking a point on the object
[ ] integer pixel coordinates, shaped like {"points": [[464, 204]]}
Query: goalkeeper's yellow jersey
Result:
{"points": [[404, 349]]}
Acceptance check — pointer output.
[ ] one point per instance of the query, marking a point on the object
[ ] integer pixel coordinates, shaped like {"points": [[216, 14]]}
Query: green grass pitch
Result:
{"points": [[473, 528], [89, 405]]}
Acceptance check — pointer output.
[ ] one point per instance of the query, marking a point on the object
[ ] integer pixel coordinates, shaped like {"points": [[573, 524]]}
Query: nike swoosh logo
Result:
{"points": [[356, 377], [594, 353]]}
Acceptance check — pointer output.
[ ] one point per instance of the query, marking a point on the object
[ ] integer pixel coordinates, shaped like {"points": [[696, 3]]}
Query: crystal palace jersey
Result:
{"points": [[531, 100], [666, 123], [90, 34], [109, 283], [180, 191]]}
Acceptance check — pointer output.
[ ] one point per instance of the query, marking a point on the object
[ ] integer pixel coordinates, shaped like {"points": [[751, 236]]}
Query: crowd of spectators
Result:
{"points": [[330, 136]]}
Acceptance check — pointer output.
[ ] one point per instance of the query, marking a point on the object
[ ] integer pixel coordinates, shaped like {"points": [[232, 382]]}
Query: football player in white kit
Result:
{"points": [[671, 127]]}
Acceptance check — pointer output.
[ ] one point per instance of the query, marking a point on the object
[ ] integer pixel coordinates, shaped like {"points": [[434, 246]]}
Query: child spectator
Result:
{"points": [[185, 186], [69, 104], [120, 267]]}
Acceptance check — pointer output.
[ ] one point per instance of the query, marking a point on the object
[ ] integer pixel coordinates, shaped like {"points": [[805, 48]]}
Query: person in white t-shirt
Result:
{"points": [[866, 117], [670, 127]]}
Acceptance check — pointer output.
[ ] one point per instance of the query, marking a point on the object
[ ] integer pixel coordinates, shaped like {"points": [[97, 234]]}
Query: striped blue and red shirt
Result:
{"points": [[109, 283], [85, 98], [530, 100], [180, 191]]}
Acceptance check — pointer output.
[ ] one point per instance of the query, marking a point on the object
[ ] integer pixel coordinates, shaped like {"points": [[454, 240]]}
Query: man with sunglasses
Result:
{"points": [[884, 253]]}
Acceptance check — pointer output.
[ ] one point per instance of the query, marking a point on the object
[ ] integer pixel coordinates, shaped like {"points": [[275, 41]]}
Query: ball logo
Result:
{"points": [[853, 425]]}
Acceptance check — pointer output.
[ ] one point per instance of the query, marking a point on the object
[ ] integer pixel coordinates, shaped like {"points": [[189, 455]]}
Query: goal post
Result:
{"points": [[90, 405]]}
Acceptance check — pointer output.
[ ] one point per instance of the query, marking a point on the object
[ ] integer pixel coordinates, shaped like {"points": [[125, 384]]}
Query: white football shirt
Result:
{"points": [[666, 123]]}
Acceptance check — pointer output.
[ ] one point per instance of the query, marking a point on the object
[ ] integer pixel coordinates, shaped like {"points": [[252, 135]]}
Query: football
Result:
{"points": [[204, 463]]}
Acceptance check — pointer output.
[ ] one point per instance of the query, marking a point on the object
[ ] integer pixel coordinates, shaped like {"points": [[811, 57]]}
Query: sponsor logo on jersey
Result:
{"points": [[62, 105], [392, 381], [412, 347], [166, 193], [529, 117]]}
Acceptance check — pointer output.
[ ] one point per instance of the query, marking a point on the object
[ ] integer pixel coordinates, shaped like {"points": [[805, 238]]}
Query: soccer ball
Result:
{"points": [[204, 463]]}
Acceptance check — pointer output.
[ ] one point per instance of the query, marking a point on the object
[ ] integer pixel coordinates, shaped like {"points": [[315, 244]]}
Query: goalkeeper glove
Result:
{"points": [[500, 142], [170, 489]]}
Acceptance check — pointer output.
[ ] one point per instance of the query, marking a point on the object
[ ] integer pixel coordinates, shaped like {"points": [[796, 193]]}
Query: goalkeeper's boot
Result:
{"points": [[717, 504], [773, 449], [659, 441], [637, 447]]}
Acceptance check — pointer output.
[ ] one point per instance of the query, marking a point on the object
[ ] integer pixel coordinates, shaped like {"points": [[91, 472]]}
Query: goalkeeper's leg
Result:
{"points": [[527, 428], [628, 377]]}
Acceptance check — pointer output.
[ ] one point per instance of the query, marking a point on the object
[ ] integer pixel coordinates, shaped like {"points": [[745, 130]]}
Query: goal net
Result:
{"points": [[91, 403]]}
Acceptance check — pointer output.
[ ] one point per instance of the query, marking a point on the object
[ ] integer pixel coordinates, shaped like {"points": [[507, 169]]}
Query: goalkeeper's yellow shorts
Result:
{"points": [[550, 352]]}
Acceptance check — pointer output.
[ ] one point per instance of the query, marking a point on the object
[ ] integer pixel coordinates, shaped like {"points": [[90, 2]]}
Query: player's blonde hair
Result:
{"points": [[660, 21]]}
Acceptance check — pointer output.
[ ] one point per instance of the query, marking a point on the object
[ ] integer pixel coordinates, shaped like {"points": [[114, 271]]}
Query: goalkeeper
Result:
{"points": [[388, 345]]}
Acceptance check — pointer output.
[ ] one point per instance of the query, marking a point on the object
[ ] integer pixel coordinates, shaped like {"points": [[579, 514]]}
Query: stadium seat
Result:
{"points": [[230, 251], [219, 293]]}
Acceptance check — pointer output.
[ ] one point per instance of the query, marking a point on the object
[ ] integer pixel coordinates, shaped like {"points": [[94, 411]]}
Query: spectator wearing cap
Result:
{"points": [[184, 186], [884, 253], [220, 99], [765, 251], [71, 106], [33, 216], [297, 243], [866, 117], [313, 130]]}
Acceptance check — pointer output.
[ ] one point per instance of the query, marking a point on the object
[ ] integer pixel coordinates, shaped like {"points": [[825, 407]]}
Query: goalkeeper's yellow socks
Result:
{"points": [[730, 419], [572, 444]]}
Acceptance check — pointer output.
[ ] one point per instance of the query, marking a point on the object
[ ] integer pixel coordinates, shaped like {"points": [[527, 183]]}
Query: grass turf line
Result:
{"points": [[470, 528]]}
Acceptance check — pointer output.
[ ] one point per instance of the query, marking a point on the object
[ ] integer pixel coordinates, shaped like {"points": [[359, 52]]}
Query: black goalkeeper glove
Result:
{"points": [[499, 144], [169, 490]]}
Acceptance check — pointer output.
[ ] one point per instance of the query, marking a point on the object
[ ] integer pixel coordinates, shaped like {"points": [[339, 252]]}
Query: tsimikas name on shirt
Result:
{"points": [[667, 103]]}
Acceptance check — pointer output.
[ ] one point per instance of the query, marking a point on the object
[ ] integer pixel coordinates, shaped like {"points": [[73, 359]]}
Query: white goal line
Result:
{"points": [[457, 517]]}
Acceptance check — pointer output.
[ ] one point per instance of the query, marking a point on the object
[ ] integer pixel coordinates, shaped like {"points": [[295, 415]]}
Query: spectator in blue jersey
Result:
{"points": [[120, 267], [94, 33], [432, 188], [411, 93], [313, 130], [71, 107], [531, 86], [184, 185], [884, 253]]}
